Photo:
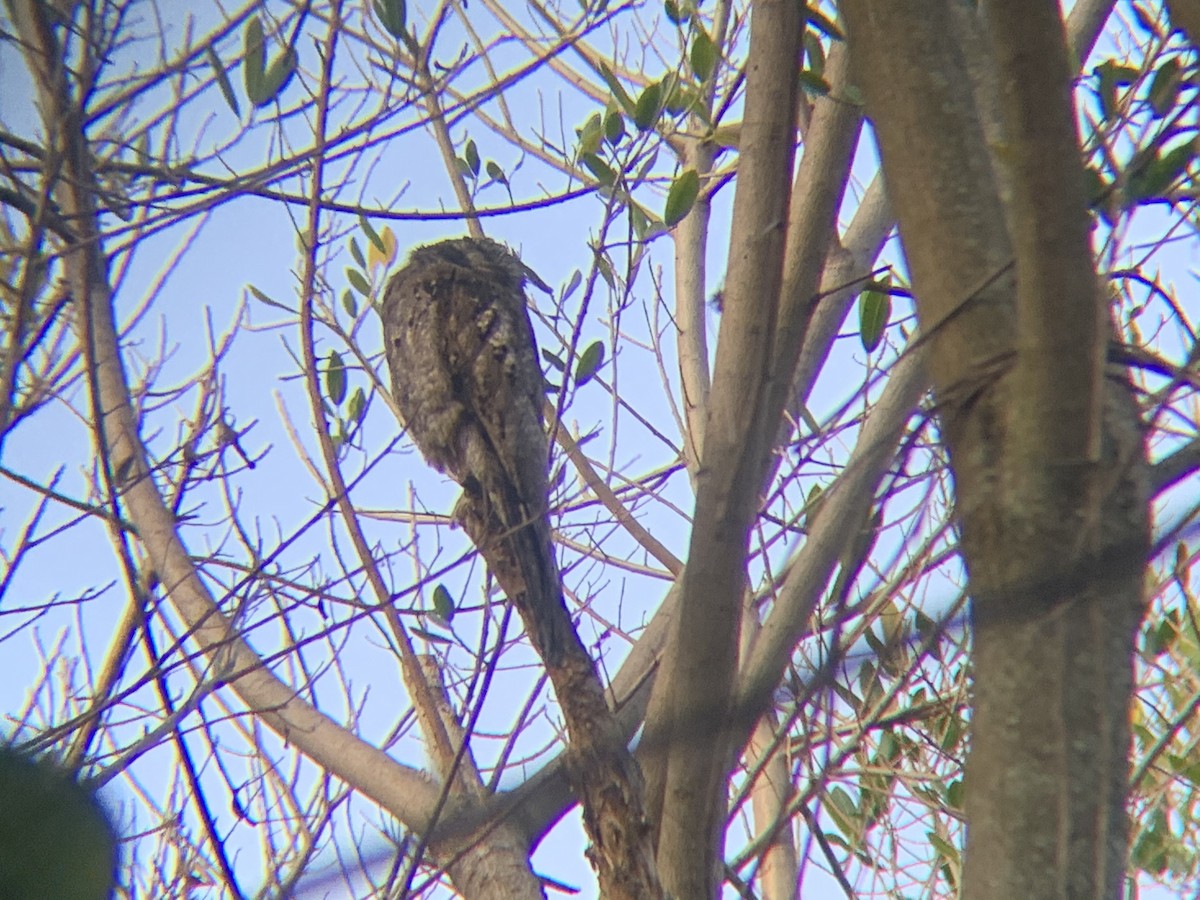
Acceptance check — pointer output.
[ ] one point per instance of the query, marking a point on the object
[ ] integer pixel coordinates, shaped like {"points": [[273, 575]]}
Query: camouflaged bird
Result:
{"points": [[466, 378]]}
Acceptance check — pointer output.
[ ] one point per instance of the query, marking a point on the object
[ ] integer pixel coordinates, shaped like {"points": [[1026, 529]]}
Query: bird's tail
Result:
{"points": [[521, 557]]}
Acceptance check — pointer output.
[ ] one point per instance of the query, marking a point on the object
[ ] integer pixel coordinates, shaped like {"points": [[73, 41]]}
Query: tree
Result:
{"points": [[312, 681]]}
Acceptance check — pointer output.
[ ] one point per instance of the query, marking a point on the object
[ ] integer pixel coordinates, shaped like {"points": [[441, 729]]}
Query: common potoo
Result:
{"points": [[465, 375]]}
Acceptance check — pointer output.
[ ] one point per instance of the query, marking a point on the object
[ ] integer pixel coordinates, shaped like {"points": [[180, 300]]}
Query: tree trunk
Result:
{"points": [[1045, 442]]}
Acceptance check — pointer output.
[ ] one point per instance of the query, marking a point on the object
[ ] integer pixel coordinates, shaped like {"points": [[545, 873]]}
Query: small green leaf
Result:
{"points": [[263, 298], [598, 167], [431, 637], [956, 793], [674, 12], [275, 79], [614, 127], [677, 96], [639, 221], [357, 254], [681, 197], [471, 155], [555, 360], [591, 134], [573, 284], [495, 172], [1112, 76], [443, 604], [589, 361], [372, 235], [335, 378], [604, 267], [845, 814], [618, 91], [222, 77], [944, 848], [874, 311], [358, 281], [350, 303], [1151, 180], [1164, 89], [392, 15], [254, 60], [358, 406], [648, 107], [703, 55]]}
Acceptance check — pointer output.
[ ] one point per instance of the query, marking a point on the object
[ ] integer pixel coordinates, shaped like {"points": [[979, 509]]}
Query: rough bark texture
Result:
{"points": [[1047, 454]]}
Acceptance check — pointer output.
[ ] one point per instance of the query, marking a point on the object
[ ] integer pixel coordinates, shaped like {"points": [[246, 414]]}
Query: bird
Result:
{"points": [[465, 376]]}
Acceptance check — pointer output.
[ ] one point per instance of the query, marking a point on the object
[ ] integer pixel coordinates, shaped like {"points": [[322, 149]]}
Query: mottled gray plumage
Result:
{"points": [[465, 374]]}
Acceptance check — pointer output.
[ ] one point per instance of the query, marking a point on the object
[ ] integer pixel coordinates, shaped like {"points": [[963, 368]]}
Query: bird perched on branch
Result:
{"points": [[465, 375]]}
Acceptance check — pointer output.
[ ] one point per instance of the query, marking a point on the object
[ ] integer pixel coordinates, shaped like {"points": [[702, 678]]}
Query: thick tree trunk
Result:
{"points": [[1047, 451]]}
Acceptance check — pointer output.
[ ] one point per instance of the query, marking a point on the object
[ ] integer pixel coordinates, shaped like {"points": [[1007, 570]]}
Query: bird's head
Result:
{"points": [[480, 255]]}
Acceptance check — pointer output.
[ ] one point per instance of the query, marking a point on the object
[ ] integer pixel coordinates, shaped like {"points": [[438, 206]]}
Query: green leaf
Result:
{"points": [[222, 77], [573, 284], [681, 197], [554, 359], [618, 90], [648, 107], [471, 155], [640, 221], [350, 304], [372, 235], [703, 55], [335, 378], [591, 134], [675, 13], [1151, 179], [1112, 76], [358, 406], [604, 267], [677, 96], [275, 79], [392, 15], [614, 126], [443, 604], [254, 60], [874, 311], [598, 167], [589, 361], [956, 793], [845, 814], [1164, 89], [495, 172], [269, 301], [944, 848], [358, 281], [357, 254], [431, 637]]}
